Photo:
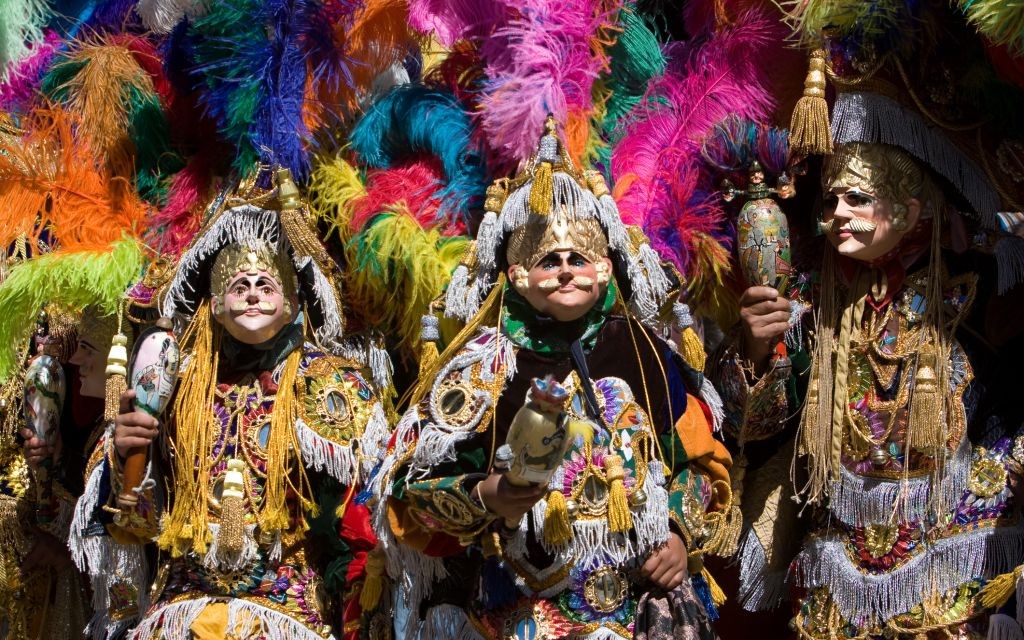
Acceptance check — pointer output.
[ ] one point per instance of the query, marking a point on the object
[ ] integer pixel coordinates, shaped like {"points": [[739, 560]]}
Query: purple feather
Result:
{"points": [[453, 20], [19, 89]]}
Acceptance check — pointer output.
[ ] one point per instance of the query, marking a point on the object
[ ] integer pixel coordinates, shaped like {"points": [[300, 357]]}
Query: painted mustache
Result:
{"points": [[856, 225], [553, 284], [264, 305]]}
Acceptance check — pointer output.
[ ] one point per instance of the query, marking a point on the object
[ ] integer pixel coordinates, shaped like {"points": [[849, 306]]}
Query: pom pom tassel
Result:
{"points": [[809, 131], [619, 518], [557, 530]]}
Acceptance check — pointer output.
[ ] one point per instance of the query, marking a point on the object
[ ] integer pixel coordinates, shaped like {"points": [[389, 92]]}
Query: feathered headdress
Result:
{"points": [[549, 183], [286, 232]]}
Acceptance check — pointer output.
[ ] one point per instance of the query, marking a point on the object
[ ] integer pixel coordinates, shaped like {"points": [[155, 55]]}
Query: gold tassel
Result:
{"points": [[428, 357], [194, 426], [282, 451], [999, 589], [620, 519], [117, 372], [692, 349], [231, 536], [926, 423], [373, 586], [491, 543], [809, 131], [717, 595], [542, 191], [296, 224], [557, 530]]}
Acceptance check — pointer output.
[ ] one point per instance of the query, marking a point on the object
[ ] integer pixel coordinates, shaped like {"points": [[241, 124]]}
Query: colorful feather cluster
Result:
{"points": [[132, 117], [660, 181]]}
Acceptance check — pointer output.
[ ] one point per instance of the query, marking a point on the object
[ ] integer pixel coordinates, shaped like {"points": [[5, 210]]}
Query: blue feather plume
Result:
{"points": [[413, 120], [252, 58]]}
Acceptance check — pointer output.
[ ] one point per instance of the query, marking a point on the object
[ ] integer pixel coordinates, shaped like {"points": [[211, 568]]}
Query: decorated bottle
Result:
{"points": [[538, 437], [45, 388], [154, 372], [763, 232]]}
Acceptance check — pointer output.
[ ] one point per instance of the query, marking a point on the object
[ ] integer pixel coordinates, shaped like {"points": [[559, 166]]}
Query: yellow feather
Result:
{"points": [[335, 186], [396, 270]]}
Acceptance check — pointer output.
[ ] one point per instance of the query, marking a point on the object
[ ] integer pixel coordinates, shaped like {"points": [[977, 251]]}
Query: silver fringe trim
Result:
{"points": [[456, 296], [760, 588], [710, 396], [873, 118], [367, 351], [859, 500], [941, 566], [173, 621], [105, 562], [322, 454]]}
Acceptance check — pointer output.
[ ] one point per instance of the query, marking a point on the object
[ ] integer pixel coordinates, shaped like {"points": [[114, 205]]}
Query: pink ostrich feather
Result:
{"points": [[452, 20], [701, 88], [177, 223], [23, 83], [657, 163], [544, 60]]}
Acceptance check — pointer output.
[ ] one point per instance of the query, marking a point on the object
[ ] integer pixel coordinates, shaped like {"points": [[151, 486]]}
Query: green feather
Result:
{"points": [[1001, 21], [74, 279], [636, 58]]}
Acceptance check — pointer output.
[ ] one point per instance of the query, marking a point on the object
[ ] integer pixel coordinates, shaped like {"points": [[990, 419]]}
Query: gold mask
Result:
{"points": [[542, 235]]}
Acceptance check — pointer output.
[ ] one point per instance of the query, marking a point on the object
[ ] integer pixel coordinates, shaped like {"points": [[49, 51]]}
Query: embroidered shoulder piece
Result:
{"points": [[461, 398], [342, 417]]}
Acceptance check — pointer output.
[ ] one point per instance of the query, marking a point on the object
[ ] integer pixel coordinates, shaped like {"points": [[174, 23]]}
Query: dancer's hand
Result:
{"points": [[133, 428], [502, 498], [666, 566], [764, 315], [36, 450]]}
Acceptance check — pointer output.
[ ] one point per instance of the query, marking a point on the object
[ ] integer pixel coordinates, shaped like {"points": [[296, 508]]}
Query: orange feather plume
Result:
{"points": [[99, 95], [50, 181]]}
